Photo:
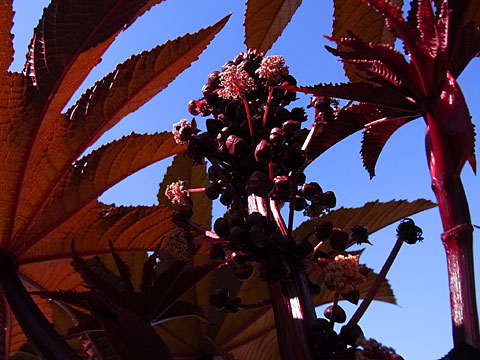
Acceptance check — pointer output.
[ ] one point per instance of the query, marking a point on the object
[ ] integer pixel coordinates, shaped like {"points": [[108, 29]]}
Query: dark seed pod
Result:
{"points": [[219, 298], [320, 325], [324, 230], [217, 253], [300, 179], [240, 234], [350, 334], [213, 190], [290, 126], [237, 219], [259, 184], [339, 239], [312, 191], [336, 313], [192, 107], [294, 159], [409, 232], [255, 218], [226, 198], [329, 339], [221, 227], [300, 204], [259, 235], [328, 199], [359, 235], [213, 174], [235, 145], [214, 126], [243, 272], [214, 79], [304, 249], [298, 114], [263, 152], [277, 136]]}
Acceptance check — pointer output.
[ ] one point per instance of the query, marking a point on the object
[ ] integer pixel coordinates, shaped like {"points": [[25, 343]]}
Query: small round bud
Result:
{"points": [[290, 126], [328, 199], [312, 191], [277, 136], [192, 107], [213, 190], [221, 227], [263, 152], [338, 239], [336, 313], [235, 145], [350, 334], [409, 232]]}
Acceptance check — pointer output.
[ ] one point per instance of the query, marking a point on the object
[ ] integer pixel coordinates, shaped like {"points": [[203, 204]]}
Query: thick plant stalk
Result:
{"points": [[457, 237], [291, 302], [47, 342]]}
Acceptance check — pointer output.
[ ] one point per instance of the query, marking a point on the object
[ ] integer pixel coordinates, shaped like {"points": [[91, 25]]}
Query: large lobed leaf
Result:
{"points": [[375, 136], [6, 43], [356, 17], [92, 175], [123, 91], [266, 20], [374, 215]]}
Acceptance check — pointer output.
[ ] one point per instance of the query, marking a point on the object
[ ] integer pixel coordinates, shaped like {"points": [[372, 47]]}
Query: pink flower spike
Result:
{"points": [[236, 83], [272, 68]]}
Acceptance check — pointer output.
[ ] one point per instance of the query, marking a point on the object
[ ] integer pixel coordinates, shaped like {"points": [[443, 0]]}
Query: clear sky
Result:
{"points": [[419, 328]]}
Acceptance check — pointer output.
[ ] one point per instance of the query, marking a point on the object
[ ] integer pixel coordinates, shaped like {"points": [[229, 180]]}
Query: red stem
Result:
{"points": [[267, 107], [376, 284], [196, 190], [457, 237], [250, 122], [334, 309]]}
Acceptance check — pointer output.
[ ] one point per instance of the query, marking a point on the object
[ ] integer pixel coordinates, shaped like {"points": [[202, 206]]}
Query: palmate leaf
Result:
{"points": [[137, 228], [266, 20], [6, 43], [363, 21], [466, 49], [347, 122], [92, 175], [123, 91], [375, 136], [363, 92], [374, 215], [196, 176]]}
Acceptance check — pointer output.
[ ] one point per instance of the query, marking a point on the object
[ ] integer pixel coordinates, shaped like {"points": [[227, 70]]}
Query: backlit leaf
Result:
{"points": [[196, 176], [121, 92], [266, 20], [89, 177], [6, 43], [362, 20], [375, 136], [363, 92], [347, 122], [374, 215], [466, 49], [139, 228]]}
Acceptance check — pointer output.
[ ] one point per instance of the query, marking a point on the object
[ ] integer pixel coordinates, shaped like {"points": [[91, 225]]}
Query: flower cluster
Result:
{"points": [[177, 193], [343, 274], [373, 350], [272, 68], [235, 83], [182, 131]]}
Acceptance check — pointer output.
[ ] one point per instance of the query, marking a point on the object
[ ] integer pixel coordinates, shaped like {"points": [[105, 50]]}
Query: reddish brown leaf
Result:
{"points": [[374, 215], [375, 136], [92, 175], [266, 20], [6, 43], [347, 122], [123, 91], [363, 21], [129, 228], [467, 47], [363, 92]]}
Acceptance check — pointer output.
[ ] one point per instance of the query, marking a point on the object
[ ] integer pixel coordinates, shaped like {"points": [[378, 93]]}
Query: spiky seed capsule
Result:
{"points": [[350, 333], [312, 191], [409, 232], [263, 152], [359, 235], [192, 107], [235, 145], [212, 190], [328, 199], [324, 230], [221, 227], [277, 136], [339, 239], [290, 126]]}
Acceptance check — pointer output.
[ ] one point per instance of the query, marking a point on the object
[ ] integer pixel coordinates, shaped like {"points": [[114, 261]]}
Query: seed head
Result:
{"points": [[272, 68], [235, 83], [343, 274]]}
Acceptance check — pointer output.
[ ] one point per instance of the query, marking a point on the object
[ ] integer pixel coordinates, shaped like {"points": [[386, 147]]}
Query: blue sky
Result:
{"points": [[419, 328]]}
